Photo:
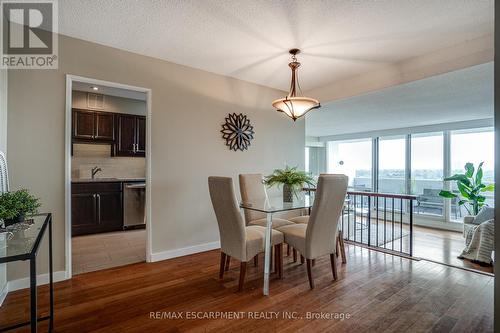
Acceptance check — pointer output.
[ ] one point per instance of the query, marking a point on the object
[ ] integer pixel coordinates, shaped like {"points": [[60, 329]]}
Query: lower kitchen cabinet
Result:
{"points": [[96, 207]]}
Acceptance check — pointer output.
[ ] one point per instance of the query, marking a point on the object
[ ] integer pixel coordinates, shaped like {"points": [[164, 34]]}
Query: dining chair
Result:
{"points": [[318, 236], [237, 240], [339, 242], [252, 190]]}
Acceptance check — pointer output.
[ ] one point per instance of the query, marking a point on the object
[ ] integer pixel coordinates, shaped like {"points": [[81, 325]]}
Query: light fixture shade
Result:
{"points": [[296, 107], [292, 105]]}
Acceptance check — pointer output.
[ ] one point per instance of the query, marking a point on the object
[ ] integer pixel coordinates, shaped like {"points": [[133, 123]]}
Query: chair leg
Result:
{"points": [[222, 264], [333, 261], [301, 259], [243, 270], [337, 241], [309, 273], [228, 260], [294, 255], [342, 247], [288, 249], [314, 262], [278, 259], [256, 260]]}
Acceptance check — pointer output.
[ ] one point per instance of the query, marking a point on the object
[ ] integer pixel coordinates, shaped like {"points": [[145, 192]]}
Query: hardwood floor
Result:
{"points": [[443, 246], [377, 292]]}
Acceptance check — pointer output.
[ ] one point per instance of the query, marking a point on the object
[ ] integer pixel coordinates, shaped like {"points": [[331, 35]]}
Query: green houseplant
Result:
{"points": [[291, 179], [470, 185], [14, 206]]}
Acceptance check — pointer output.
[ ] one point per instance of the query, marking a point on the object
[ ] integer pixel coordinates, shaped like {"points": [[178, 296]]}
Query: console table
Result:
{"points": [[23, 245]]}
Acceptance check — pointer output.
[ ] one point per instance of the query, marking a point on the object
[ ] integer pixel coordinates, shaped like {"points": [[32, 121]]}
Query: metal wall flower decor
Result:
{"points": [[237, 132]]}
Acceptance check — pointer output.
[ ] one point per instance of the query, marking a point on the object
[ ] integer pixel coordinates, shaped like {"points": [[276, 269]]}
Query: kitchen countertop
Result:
{"points": [[107, 180]]}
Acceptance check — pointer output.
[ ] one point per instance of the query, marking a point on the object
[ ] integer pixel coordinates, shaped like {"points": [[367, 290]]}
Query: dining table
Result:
{"points": [[272, 206]]}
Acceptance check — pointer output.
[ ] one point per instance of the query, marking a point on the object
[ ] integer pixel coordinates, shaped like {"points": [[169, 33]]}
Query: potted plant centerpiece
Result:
{"points": [[471, 188], [291, 179], [14, 206]]}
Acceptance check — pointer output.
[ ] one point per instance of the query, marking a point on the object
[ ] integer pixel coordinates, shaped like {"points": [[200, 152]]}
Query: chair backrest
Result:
{"points": [[4, 175], [252, 191], [323, 222], [231, 225]]}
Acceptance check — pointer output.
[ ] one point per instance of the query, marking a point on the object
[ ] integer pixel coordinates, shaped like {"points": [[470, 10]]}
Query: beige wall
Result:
{"points": [[86, 156], [111, 104], [188, 107]]}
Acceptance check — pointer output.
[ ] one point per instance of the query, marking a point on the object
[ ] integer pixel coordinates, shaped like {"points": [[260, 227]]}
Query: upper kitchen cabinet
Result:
{"points": [[93, 126], [131, 139], [105, 126]]}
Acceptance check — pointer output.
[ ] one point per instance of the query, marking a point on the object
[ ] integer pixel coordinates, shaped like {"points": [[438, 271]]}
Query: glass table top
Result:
{"points": [[276, 204], [21, 241]]}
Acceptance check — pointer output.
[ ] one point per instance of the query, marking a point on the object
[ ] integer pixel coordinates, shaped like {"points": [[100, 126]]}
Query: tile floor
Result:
{"points": [[101, 251]]}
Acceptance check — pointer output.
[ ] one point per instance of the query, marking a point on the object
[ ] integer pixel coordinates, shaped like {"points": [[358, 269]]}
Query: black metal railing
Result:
{"points": [[379, 220]]}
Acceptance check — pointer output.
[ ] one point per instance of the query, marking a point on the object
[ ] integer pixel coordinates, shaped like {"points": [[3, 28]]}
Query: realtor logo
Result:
{"points": [[29, 34]]}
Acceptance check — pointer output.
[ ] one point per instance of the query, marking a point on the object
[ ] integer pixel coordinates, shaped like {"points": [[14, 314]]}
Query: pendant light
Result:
{"points": [[292, 105]]}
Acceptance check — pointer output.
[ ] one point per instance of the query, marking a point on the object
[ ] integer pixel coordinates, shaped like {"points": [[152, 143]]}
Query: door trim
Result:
{"points": [[67, 185]]}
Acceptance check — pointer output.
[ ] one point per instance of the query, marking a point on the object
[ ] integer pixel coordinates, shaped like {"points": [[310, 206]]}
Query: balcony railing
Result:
{"points": [[379, 220]]}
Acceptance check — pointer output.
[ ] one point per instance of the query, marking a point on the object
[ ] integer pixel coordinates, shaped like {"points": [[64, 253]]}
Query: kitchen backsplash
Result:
{"points": [[87, 156]]}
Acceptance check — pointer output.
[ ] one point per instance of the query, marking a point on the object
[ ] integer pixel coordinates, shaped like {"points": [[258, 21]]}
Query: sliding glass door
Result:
{"points": [[426, 181], [392, 165], [354, 159], [472, 146]]}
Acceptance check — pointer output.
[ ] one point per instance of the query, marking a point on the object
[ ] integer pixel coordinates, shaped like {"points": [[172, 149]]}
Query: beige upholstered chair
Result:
{"points": [[318, 236], [340, 245], [252, 191], [237, 240]]}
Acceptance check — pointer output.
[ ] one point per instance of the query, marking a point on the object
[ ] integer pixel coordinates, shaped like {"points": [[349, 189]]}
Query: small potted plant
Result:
{"points": [[291, 179], [471, 188], [14, 206]]}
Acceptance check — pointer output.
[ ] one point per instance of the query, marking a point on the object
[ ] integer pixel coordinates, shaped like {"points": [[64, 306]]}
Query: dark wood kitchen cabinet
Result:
{"points": [[96, 207], [131, 140], [93, 126]]}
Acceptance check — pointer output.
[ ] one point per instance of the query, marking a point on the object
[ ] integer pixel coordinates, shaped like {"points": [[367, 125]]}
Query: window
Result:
{"points": [[426, 180], [473, 146], [418, 171], [392, 165], [315, 160], [354, 159]]}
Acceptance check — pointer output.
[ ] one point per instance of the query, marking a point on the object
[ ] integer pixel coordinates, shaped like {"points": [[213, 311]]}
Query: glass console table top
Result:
{"points": [[21, 243], [276, 204]]}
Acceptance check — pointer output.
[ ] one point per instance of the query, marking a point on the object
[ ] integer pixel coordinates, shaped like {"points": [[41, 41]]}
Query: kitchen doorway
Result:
{"points": [[107, 175]]}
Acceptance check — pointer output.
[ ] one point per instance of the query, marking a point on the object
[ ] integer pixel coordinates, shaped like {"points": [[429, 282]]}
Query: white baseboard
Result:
{"points": [[41, 279], [184, 251], [3, 293]]}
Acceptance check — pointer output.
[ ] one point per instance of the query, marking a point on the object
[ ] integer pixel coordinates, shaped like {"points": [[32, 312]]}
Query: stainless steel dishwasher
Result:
{"points": [[134, 208]]}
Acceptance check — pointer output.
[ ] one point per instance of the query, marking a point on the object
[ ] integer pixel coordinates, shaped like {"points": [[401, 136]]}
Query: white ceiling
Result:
{"points": [[249, 40], [461, 95], [110, 91]]}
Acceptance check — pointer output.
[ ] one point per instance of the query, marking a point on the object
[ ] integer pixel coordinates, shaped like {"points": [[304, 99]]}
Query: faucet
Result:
{"points": [[95, 170]]}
